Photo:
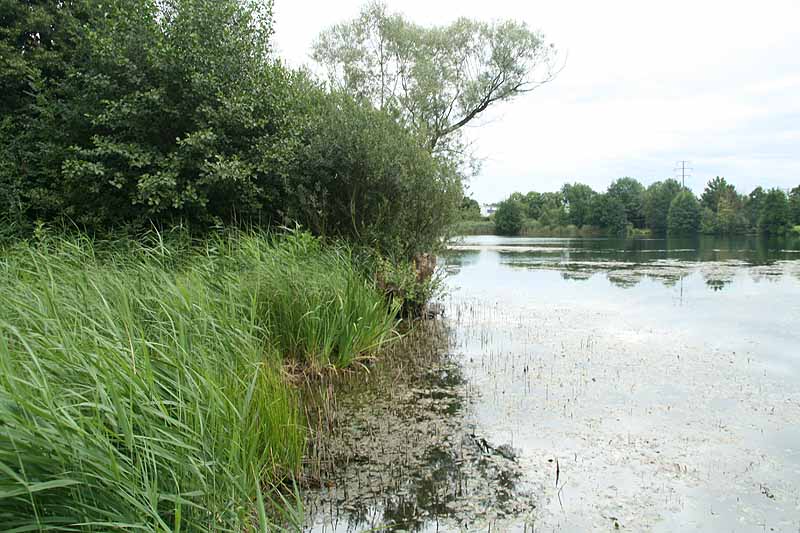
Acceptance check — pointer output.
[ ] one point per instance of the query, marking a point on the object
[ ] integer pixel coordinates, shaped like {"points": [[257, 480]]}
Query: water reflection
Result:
{"points": [[752, 250], [581, 385], [625, 263], [624, 282], [717, 281], [664, 376], [716, 275], [576, 275], [464, 258]]}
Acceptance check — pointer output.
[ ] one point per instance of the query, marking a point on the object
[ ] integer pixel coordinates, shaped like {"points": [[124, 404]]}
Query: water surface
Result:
{"points": [[593, 385]]}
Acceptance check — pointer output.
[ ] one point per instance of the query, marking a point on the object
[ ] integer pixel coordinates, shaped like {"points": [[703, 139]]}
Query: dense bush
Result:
{"points": [[684, 214], [794, 206], [509, 217], [630, 193], [362, 176], [147, 111], [469, 209], [657, 200], [138, 112], [609, 212], [774, 219]]}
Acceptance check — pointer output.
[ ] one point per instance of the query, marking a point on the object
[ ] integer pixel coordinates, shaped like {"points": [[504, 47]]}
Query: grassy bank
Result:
{"points": [[141, 385], [474, 227]]}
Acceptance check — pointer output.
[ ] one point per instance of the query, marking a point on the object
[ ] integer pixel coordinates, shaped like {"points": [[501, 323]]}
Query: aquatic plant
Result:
{"points": [[141, 385]]}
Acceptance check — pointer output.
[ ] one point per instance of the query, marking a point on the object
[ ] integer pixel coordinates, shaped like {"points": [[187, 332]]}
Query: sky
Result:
{"points": [[645, 85]]}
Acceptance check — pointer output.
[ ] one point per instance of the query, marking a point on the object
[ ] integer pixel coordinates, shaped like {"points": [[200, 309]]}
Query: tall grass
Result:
{"points": [[318, 307], [474, 227], [141, 386]]}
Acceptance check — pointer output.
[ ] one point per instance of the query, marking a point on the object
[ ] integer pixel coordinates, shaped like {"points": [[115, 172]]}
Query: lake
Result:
{"points": [[586, 385]]}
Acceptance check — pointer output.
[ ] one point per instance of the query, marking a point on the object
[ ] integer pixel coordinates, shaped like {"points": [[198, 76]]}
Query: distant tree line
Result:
{"points": [[663, 207]]}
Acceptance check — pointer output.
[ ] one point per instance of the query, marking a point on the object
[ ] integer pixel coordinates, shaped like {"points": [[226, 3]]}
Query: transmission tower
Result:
{"points": [[685, 171]]}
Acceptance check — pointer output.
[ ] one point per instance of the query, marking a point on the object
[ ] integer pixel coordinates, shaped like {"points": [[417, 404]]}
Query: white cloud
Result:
{"points": [[646, 84]]}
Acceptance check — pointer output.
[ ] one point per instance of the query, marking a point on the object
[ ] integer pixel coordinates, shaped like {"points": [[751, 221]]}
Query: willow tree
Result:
{"points": [[435, 79]]}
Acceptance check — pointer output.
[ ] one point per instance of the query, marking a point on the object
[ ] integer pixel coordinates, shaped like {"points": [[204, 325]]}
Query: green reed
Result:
{"points": [[141, 385]]}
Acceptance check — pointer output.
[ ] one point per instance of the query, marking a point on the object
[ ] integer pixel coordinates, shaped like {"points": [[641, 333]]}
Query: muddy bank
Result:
{"points": [[397, 449]]}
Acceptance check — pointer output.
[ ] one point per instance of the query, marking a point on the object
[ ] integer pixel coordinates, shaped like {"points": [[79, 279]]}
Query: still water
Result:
{"points": [[587, 385]]}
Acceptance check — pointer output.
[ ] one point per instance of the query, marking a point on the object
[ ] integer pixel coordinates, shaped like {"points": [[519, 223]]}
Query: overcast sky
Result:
{"points": [[646, 84]]}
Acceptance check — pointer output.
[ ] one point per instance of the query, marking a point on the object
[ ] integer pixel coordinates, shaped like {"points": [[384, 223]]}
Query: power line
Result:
{"points": [[685, 171]]}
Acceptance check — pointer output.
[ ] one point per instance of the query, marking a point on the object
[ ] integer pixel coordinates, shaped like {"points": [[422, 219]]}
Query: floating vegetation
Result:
{"points": [[399, 452]]}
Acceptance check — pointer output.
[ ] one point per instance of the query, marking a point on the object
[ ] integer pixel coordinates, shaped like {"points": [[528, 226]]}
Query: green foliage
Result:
{"points": [[684, 214], [509, 217], [708, 222], [474, 227], [774, 217], [554, 216], [730, 218], [131, 113], [576, 204], [407, 284], [161, 111], [607, 211], [318, 308], [657, 200], [715, 190], [753, 207], [578, 199], [723, 209], [533, 228], [470, 209], [140, 386], [38, 43], [794, 206], [534, 205], [630, 193], [537, 204], [436, 79], [362, 176]]}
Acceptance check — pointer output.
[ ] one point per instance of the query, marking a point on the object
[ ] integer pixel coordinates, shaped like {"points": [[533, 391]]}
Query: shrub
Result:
{"points": [[684, 213], [774, 213], [138, 112], [509, 217], [409, 284], [609, 212], [364, 177], [142, 110], [657, 200]]}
